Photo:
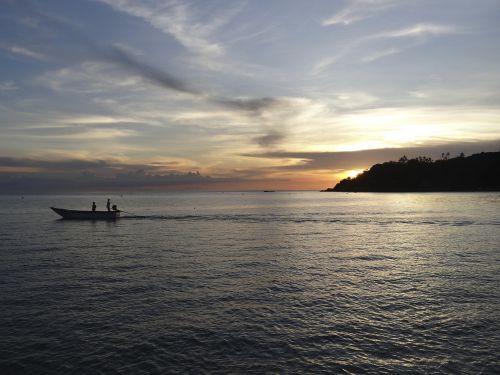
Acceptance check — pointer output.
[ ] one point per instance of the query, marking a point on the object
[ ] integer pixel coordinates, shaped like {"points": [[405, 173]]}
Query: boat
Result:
{"points": [[86, 215]]}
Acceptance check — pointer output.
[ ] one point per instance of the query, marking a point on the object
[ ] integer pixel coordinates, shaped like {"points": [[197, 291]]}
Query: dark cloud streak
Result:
{"points": [[335, 161], [271, 138], [157, 76]]}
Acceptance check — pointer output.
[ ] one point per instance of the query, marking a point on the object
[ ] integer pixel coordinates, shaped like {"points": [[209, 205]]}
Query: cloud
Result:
{"points": [[57, 165], [248, 104], [102, 76], [27, 52], [24, 175], [35, 183], [346, 160], [132, 63], [271, 138], [8, 86], [152, 74], [117, 55], [178, 19], [354, 100], [90, 77], [418, 30], [162, 78], [30, 175], [23, 51], [380, 54], [86, 132], [358, 10], [196, 27]]}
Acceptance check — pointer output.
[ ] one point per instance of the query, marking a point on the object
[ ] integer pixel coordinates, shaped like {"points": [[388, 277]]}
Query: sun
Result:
{"points": [[352, 173]]}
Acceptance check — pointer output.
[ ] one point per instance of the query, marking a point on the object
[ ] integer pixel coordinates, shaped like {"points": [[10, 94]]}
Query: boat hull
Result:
{"points": [[86, 215]]}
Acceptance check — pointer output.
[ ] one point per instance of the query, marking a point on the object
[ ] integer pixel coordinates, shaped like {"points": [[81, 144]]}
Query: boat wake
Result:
{"points": [[341, 219]]}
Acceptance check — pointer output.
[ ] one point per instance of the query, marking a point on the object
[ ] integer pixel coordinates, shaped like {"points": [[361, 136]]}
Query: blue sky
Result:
{"points": [[253, 94]]}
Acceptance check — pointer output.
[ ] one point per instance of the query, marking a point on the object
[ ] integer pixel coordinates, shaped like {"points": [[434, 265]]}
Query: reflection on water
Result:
{"points": [[251, 283]]}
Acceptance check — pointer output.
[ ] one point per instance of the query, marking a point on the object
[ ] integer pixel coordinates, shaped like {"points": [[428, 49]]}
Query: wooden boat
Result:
{"points": [[86, 215]]}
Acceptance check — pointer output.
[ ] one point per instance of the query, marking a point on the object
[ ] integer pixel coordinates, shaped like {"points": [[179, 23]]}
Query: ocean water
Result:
{"points": [[285, 282]]}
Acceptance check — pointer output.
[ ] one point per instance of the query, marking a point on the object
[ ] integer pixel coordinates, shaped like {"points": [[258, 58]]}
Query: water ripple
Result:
{"points": [[348, 284]]}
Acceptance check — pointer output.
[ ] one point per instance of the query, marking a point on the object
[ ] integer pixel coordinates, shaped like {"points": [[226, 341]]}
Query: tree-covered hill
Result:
{"points": [[478, 172]]}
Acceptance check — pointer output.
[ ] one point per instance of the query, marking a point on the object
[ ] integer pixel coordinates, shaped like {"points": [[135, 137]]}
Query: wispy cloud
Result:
{"points": [[90, 132], [380, 54], [80, 127], [88, 78], [163, 78], [418, 30], [8, 86], [358, 10], [23, 51], [194, 26], [160, 77], [179, 20]]}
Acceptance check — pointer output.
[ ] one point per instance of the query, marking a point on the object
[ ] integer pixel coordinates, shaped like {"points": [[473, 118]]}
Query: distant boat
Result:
{"points": [[86, 215], [269, 191]]}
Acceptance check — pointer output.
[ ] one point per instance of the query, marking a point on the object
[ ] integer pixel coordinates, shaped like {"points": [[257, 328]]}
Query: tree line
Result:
{"points": [[478, 172]]}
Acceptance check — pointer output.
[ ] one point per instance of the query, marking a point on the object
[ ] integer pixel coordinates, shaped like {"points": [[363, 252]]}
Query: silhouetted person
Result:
{"points": [[108, 205], [114, 208], [93, 206]]}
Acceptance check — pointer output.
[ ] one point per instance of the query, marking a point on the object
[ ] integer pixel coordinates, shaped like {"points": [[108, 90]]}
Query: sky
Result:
{"points": [[239, 95]]}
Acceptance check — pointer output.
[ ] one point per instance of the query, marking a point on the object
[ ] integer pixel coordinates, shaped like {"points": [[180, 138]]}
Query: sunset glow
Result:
{"points": [[243, 97]]}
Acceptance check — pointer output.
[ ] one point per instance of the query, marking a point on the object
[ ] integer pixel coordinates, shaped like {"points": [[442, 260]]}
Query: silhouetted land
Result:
{"points": [[478, 172]]}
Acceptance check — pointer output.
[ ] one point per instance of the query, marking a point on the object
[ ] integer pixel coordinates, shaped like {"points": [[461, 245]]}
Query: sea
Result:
{"points": [[252, 283]]}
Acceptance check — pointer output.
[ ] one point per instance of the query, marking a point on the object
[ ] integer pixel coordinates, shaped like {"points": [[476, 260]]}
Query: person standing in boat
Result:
{"points": [[93, 206], [108, 205]]}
